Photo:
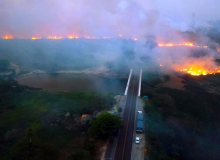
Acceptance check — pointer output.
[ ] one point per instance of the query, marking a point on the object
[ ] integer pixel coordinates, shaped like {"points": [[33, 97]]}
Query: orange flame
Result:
{"points": [[8, 37], [188, 44], [54, 37], [73, 37], [69, 37], [197, 70], [34, 38]]}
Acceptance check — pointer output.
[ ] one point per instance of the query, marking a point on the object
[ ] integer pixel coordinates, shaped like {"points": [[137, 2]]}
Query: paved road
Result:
{"points": [[125, 137]]}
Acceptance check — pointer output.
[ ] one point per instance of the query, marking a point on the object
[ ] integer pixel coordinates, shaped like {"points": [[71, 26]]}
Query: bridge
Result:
{"points": [[124, 141]]}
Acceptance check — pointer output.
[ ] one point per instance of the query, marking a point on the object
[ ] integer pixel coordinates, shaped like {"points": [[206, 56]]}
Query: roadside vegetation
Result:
{"points": [[182, 124], [104, 125], [36, 124]]}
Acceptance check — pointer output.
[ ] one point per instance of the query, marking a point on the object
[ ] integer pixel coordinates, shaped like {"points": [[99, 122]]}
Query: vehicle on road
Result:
{"points": [[139, 127], [140, 112], [140, 117], [137, 140]]}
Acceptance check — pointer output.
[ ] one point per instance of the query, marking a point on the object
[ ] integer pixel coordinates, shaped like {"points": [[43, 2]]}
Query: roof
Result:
{"points": [[84, 116]]}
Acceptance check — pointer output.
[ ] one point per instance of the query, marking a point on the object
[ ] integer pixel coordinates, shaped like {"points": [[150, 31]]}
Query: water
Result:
{"points": [[74, 82]]}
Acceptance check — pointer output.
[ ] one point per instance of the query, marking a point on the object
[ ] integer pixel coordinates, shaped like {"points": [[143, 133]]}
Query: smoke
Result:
{"points": [[23, 18], [148, 21]]}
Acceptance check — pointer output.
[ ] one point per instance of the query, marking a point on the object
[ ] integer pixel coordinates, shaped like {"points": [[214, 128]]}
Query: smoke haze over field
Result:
{"points": [[130, 18], [150, 21], [108, 38]]}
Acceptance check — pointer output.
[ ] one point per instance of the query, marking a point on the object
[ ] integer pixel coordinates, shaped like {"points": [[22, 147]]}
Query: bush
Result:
{"points": [[104, 125]]}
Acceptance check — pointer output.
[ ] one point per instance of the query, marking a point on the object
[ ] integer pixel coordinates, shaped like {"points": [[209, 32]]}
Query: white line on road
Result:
{"points": [[126, 90], [139, 89]]}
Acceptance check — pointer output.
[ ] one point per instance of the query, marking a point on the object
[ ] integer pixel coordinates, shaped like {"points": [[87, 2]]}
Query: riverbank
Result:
{"points": [[77, 81]]}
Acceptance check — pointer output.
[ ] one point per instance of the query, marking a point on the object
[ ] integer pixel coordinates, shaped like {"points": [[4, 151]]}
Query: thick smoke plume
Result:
{"points": [[130, 18], [151, 22]]}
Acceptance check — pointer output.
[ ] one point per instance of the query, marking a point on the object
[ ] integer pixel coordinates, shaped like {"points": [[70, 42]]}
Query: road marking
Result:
{"points": [[139, 89], [128, 83], [128, 121]]}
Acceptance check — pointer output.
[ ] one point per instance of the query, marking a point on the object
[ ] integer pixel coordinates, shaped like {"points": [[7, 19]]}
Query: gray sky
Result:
{"points": [[131, 18]]}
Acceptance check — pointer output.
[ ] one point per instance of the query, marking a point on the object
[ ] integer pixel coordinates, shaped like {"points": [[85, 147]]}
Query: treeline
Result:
{"points": [[182, 124]]}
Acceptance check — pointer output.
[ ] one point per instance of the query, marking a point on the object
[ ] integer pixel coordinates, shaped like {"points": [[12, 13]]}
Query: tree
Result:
{"points": [[104, 125]]}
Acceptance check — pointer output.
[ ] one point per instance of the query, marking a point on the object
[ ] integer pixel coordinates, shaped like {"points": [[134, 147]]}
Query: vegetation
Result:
{"points": [[153, 78], [80, 155], [182, 124], [104, 125], [4, 64], [53, 119]]}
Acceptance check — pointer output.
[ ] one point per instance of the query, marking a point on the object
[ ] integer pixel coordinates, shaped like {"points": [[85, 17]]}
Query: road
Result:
{"points": [[125, 137]]}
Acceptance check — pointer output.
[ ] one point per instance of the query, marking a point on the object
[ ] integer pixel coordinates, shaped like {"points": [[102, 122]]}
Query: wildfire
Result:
{"points": [[34, 38], [73, 37], [188, 44], [69, 37], [54, 37], [87, 37], [8, 37], [197, 71]]}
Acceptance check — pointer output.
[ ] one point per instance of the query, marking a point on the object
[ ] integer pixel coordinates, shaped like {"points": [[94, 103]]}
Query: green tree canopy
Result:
{"points": [[104, 125]]}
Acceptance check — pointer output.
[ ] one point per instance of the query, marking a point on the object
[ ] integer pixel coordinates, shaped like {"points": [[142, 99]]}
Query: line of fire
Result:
{"points": [[192, 69]]}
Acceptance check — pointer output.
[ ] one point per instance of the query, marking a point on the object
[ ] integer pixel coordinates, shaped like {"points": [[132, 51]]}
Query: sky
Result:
{"points": [[130, 18]]}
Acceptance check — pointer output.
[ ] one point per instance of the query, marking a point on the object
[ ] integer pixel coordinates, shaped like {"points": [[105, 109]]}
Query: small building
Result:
{"points": [[145, 97], [86, 118]]}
